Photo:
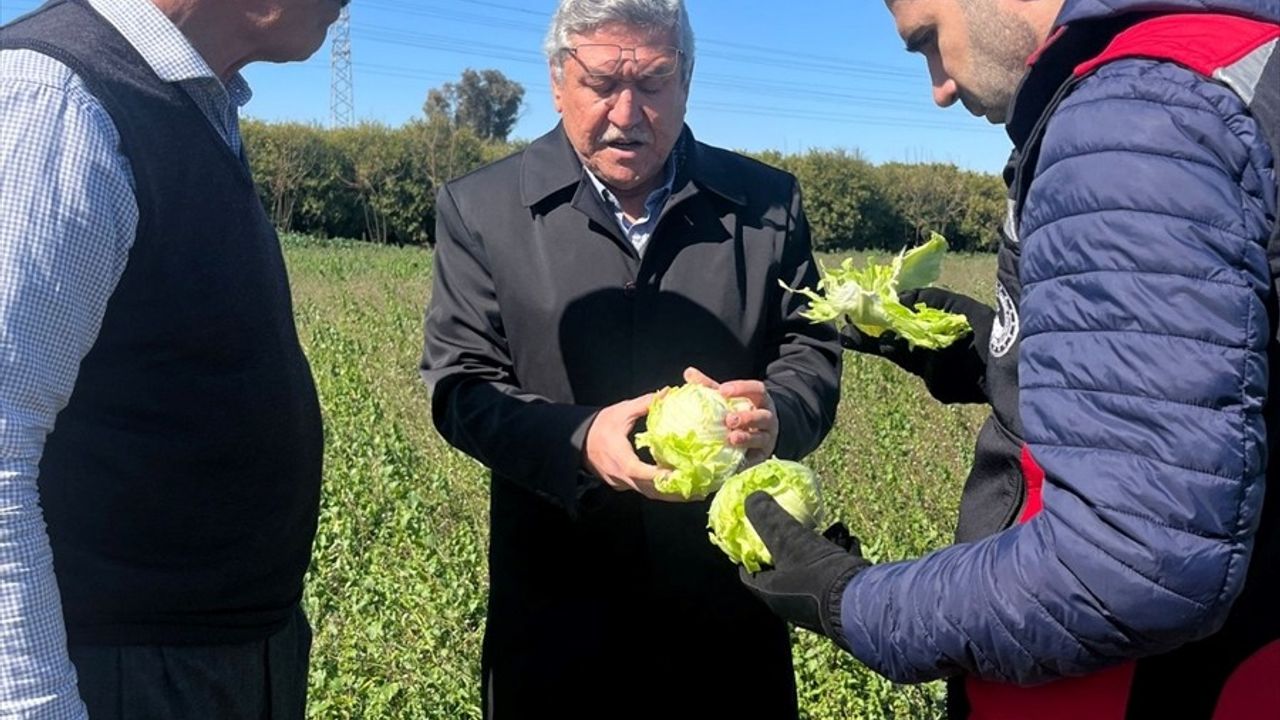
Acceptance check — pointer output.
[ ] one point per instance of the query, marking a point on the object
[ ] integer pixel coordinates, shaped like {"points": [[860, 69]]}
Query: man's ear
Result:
{"points": [[557, 85]]}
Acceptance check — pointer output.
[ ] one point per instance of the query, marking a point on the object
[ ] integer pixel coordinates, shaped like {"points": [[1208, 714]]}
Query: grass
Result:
{"points": [[396, 591]]}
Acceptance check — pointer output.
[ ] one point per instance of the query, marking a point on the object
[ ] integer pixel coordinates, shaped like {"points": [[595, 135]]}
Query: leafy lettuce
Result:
{"points": [[688, 438], [793, 485], [867, 298]]}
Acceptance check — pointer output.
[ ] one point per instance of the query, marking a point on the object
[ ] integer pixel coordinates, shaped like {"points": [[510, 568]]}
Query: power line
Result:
{"points": [[500, 6], [840, 106], [448, 43], [828, 94], [732, 84], [754, 54], [491, 51], [754, 47], [418, 10], [705, 106]]}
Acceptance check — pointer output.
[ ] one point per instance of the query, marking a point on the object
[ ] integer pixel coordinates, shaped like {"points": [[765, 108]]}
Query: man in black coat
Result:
{"points": [[572, 280]]}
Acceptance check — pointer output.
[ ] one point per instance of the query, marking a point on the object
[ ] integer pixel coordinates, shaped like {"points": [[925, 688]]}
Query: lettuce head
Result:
{"points": [[687, 437], [867, 298], [793, 485]]}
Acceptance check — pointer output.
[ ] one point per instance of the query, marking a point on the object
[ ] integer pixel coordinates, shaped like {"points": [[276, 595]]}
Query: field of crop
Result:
{"points": [[396, 591]]}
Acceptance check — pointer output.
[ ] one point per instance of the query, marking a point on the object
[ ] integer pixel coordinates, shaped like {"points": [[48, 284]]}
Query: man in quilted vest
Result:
{"points": [[154, 539], [1117, 550]]}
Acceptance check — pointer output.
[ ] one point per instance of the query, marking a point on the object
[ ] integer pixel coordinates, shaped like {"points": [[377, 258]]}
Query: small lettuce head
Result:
{"points": [[688, 439], [793, 485], [867, 298]]}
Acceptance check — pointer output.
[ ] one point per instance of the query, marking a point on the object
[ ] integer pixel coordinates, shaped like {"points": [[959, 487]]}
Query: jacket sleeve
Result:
{"points": [[802, 373], [1143, 375], [476, 401]]}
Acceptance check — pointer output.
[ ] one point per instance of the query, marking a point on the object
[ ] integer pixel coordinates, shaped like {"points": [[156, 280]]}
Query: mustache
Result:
{"points": [[614, 135]]}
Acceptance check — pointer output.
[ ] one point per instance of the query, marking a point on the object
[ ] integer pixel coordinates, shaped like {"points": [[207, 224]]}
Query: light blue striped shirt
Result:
{"points": [[68, 217]]}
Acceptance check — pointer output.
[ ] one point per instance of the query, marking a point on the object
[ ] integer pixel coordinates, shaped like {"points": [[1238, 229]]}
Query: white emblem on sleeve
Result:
{"points": [[1004, 331]]}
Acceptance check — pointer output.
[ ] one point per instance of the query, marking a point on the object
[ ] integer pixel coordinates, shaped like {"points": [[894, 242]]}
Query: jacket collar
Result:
{"points": [[550, 165], [1081, 32]]}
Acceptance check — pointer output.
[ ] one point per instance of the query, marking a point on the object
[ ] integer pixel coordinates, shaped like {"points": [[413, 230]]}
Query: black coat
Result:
{"points": [[604, 604]]}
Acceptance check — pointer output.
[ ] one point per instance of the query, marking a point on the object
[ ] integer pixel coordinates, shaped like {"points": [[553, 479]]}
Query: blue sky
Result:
{"points": [[771, 74]]}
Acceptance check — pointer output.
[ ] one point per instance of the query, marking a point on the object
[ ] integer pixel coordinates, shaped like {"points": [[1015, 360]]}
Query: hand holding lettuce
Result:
{"points": [[688, 438], [808, 572], [763, 518], [954, 374], [867, 298], [607, 452], [690, 443]]}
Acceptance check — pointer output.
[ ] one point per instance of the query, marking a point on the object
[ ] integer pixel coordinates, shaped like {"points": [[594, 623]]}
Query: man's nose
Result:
{"points": [[946, 92], [625, 112]]}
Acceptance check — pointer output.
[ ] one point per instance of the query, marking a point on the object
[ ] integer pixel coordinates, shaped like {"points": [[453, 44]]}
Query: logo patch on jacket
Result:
{"points": [[1004, 331]]}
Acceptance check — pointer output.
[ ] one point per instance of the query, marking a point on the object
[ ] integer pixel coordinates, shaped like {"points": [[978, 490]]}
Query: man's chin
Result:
{"points": [[621, 178], [998, 114], [995, 117]]}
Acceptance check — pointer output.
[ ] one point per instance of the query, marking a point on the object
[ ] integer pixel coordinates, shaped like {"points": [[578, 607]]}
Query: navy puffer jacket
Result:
{"points": [[1143, 374]]}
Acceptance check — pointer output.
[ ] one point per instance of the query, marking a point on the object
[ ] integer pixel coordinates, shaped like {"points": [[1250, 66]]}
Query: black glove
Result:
{"points": [[810, 571], [954, 374]]}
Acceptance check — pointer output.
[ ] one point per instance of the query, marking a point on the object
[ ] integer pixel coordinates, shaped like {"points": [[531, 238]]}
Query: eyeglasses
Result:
{"points": [[606, 60]]}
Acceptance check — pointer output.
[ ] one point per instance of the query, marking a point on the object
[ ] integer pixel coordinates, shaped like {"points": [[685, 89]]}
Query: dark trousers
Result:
{"points": [[746, 682], [639, 618], [262, 680]]}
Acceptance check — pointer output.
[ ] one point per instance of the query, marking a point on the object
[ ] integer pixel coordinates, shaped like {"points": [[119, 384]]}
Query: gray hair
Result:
{"points": [[578, 17]]}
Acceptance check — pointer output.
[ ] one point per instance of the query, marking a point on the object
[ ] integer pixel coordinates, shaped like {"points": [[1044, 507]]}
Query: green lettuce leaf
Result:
{"points": [[921, 266], [793, 485]]}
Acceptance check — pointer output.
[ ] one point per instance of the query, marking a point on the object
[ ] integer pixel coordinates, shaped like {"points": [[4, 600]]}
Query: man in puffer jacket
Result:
{"points": [[1116, 557]]}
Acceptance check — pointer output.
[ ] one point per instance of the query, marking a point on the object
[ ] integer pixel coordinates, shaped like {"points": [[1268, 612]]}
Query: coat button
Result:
{"points": [[629, 289]]}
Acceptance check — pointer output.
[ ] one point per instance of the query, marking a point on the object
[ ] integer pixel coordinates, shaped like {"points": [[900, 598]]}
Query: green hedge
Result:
{"points": [[379, 183]]}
